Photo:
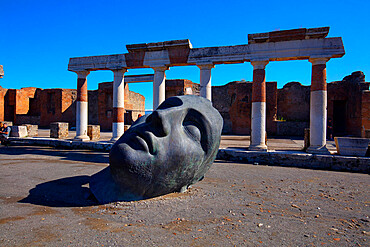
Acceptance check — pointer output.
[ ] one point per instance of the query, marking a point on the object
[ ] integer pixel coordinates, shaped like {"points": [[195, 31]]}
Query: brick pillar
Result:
{"points": [[205, 81], [159, 86], [258, 133], [318, 107], [118, 124], [81, 107]]}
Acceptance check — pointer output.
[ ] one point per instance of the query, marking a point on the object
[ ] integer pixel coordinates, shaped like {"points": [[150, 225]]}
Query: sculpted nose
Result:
{"points": [[159, 123]]}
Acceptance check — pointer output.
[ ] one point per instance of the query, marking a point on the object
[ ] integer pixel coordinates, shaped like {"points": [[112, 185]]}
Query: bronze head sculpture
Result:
{"points": [[163, 152]]}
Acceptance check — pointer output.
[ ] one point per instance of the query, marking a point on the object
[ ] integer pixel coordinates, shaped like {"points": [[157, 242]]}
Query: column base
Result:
{"points": [[318, 150], [82, 138], [260, 147]]}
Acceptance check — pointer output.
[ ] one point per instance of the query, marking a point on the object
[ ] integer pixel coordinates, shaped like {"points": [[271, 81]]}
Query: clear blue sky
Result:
{"points": [[38, 37]]}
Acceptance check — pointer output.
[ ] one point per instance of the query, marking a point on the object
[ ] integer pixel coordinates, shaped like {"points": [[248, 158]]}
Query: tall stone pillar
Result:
{"points": [[81, 106], [159, 86], [118, 124], [258, 135], [205, 81], [318, 107]]}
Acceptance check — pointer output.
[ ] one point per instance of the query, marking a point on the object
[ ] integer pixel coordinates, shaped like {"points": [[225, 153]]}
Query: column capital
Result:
{"points": [[82, 74], [259, 64], [161, 68], [318, 60], [122, 70], [205, 66]]}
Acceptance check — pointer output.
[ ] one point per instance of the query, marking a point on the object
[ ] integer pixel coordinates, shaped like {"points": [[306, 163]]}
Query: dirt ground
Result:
{"points": [[45, 201]]}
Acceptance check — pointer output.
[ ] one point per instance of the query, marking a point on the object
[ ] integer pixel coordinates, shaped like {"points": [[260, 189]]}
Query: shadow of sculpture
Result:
{"points": [[64, 192]]}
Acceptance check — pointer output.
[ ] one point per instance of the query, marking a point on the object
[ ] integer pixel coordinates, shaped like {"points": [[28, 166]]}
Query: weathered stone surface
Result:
{"points": [[9, 123], [18, 131], [161, 153], [32, 130], [93, 131], [59, 130], [352, 146], [297, 159], [288, 128]]}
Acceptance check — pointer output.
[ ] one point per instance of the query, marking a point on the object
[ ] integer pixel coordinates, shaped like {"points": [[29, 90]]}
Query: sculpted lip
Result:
{"points": [[146, 140]]}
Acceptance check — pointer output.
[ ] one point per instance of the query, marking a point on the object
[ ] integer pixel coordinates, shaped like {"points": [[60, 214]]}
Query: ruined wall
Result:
{"points": [[345, 104], [134, 105], [293, 102], [176, 87], [58, 106], [234, 102], [2, 103], [365, 114], [93, 107]]}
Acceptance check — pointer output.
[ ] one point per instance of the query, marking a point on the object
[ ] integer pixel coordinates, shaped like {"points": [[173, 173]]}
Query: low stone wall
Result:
{"points": [[287, 128], [297, 159]]}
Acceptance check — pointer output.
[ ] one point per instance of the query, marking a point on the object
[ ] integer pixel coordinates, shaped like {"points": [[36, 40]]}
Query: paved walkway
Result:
{"points": [[276, 143], [45, 201]]}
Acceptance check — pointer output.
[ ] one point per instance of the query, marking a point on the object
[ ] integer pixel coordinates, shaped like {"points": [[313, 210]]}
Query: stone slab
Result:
{"points": [[352, 146], [59, 130], [297, 159], [31, 129], [93, 131], [18, 131]]}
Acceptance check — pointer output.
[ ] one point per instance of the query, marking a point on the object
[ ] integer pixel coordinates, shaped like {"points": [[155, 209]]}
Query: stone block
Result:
{"points": [[32, 129], [351, 146], [9, 123], [18, 131], [59, 130], [93, 131]]}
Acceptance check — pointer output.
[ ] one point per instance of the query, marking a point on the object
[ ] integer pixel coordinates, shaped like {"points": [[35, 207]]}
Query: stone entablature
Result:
{"points": [[181, 53], [286, 35]]}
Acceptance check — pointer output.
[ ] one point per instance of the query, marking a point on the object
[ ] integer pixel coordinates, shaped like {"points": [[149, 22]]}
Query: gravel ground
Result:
{"points": [[45, 201]]}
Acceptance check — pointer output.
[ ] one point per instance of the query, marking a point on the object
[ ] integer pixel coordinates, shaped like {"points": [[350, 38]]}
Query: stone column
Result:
{"points": [[159, 86], [258, 132], [318, 107], [118, 124], [205, 81], [81, 106]]}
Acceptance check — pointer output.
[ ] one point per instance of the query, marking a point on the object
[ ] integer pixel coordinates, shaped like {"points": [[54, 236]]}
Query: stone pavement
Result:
{"points": [[45, 201]]}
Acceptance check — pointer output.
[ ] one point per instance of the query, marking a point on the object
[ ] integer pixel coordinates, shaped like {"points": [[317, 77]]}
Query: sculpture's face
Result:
{"points": [[171, 148]]}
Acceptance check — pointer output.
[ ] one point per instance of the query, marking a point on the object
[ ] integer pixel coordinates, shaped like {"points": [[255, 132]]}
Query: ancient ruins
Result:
{"points": [[298, 44]]}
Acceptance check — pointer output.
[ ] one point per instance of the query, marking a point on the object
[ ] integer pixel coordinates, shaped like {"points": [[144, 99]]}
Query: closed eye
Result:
{"points": [[193, 131]]}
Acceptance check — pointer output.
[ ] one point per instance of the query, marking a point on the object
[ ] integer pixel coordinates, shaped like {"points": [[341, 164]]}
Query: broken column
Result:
{"points": [[81, 107], [205, 80], [258, 135], [118, 104], [318, 106], [159, 86]]}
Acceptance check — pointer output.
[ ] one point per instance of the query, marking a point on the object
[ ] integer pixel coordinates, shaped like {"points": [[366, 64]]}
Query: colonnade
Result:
{"points": [[318, 102]]}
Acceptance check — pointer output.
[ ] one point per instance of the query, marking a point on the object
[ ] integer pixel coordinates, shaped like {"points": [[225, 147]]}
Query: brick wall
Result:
{"points": [[2, 103], [234, 102], [365, 112]]}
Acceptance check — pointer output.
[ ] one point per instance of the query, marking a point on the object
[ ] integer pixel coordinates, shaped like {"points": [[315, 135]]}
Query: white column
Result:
{"points": [[205, 81], [81, 107], [159, 86], [258, 125], [118, 125], [318, 107]]}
